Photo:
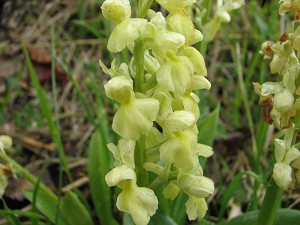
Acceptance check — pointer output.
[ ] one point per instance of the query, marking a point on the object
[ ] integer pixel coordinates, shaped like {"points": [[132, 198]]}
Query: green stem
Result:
{"points": [[139, 157], [138, 53], [140, 151], [270, 205], [18, 169], [144, 7]]}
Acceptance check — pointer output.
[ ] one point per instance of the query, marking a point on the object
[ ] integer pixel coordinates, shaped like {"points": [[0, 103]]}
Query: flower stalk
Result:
{"points": [[281, 104], [144, 7]]}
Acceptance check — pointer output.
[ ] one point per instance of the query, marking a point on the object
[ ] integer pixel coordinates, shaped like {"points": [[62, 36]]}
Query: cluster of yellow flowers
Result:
{"points": [[281, 99], [158, 110]]}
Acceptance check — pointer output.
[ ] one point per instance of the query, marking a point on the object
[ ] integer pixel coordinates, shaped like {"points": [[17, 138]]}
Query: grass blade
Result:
{"points": [[47, 113], [232, 188]]}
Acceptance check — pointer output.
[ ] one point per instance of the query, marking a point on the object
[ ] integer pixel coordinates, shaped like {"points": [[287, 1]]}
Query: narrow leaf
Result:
{"points": [[98, 166], [46, 202], [73, 211]]}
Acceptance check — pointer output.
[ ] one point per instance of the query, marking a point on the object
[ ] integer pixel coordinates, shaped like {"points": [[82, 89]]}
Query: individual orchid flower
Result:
{"points": [[282, 53], [195, 207], [123, 153], [175, 73], [285, 154], [127, 31], [180, 150], [140, 202], [196, 185], [135, 117]]}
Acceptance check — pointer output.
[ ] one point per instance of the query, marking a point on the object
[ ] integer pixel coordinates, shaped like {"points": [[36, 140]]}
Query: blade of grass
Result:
{"points": [[232, 188], [5, 212], [34, 220], [83, 101], [48, 114], [238, 65], [11, 218], [53, 81]]}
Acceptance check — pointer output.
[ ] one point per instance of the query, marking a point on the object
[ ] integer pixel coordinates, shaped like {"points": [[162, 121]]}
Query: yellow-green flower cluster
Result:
{"points": [[162, 113], [281, 99]]}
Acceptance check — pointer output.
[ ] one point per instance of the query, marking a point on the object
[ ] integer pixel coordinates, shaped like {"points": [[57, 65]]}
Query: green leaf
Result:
{"points": [[178, 209], [127, 220], [283, 217], [208, 127], [160, 218], [73, 211], [46, 202], [98, 166]]}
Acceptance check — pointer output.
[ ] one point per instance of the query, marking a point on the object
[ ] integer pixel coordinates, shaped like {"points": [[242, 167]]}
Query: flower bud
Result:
{"points": [[197, 59], [280, 149], [198, 186], [282, 175], [119, 88], [171, 191], [266, 49], [6, 141], [116, 10]]}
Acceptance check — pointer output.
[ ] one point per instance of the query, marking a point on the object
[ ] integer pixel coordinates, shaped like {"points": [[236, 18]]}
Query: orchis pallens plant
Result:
{"points": [[281, 107], [158, 111], [280, 99]]}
